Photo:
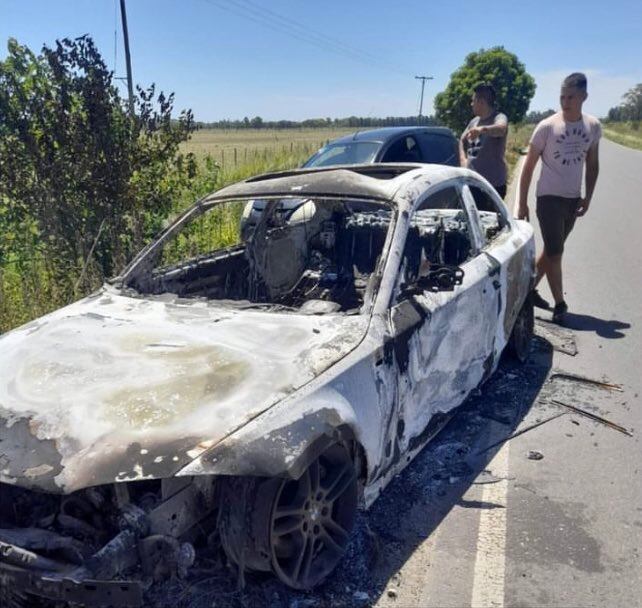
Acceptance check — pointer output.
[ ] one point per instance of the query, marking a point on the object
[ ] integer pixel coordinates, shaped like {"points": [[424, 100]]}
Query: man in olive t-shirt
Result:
{"points": [[566, 142], [483, 142]]}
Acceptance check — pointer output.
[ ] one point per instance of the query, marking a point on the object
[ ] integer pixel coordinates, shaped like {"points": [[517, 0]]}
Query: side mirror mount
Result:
{"points": [[440, 277]]}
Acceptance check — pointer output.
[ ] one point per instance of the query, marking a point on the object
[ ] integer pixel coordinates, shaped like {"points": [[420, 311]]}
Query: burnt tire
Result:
{"points": [[298, 529], [519, 343]]}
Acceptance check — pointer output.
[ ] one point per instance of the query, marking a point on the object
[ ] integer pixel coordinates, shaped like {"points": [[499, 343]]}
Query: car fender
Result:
{"points": [[283, 441]]}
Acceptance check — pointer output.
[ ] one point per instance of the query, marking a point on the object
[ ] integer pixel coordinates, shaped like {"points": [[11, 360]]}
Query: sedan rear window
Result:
{"points": [[354, 152]]}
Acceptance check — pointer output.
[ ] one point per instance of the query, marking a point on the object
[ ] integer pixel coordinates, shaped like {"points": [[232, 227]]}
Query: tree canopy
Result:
{"points": [[513, 85]]}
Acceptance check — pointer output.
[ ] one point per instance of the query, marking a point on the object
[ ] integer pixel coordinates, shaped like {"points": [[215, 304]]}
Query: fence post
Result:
{"points": [[222, 156], [235, 159]]}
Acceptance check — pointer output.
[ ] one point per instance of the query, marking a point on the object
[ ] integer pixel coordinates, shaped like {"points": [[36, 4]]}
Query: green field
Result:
{"points": [[236, 147], [625, 133], [238, 150]]}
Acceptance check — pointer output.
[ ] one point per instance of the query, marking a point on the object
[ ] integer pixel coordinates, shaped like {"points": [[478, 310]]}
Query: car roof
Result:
{"points": [[385, 134], [366, 182]]}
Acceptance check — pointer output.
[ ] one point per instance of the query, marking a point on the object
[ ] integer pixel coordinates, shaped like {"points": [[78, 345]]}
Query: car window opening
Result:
{"points": [[438, 235], [310, 255], [491, 219]]}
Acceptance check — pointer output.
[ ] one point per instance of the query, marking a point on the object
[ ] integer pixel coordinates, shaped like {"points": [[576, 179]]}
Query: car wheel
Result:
{"points": [[519, 342], [299, 528]]}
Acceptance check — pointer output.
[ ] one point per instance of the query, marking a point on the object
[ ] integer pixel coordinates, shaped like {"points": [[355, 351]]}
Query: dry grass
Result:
{"points": [[516, 144], [625, 133], [237, 147]]}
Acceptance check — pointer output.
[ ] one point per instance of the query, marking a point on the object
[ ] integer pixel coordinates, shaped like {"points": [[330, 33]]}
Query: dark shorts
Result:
{"points": [[501, 190], [556, 216]]}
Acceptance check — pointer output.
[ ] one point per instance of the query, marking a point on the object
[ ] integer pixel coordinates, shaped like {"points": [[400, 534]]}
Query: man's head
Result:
{"points": [[573, 94], [483, 101]]}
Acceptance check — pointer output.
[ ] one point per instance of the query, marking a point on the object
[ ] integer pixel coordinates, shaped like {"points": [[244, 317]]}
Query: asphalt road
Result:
{"points": [[551, 517], [565, 530]]}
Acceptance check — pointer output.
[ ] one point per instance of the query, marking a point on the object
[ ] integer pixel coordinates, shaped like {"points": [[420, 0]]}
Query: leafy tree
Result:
{"points": [[80, 178], [513, 85], [631, 106]]}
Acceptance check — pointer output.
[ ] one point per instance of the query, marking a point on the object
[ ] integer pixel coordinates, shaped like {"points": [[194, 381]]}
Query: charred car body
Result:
{"points": [[253, 390]]}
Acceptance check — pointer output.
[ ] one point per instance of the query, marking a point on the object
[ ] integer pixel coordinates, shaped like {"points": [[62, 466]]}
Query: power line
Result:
{"points": [[310, 31], [283, 25]]}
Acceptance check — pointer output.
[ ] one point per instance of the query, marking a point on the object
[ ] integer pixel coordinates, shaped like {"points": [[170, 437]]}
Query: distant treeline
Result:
{"points": [[316, 123], [352, 122]]}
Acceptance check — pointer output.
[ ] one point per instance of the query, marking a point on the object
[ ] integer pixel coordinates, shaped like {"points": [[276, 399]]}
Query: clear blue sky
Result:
{"points": [[296, 59]]}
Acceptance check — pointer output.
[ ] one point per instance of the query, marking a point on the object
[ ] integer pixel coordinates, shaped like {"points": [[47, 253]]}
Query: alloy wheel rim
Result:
{"points": [[312, 520]]}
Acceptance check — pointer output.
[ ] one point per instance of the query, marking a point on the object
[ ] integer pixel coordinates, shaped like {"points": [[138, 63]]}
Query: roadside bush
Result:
{"points": [[83, 184]]}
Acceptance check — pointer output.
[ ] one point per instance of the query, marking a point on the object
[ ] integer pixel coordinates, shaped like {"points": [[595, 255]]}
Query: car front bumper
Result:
{"points": [[18, 577]]}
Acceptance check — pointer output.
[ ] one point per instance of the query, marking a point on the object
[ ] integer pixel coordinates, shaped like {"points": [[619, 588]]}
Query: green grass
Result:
{"points": [[625, 133]]}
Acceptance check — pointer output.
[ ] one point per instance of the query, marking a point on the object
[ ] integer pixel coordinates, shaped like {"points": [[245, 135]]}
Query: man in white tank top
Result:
{"points": [[565, 142]]}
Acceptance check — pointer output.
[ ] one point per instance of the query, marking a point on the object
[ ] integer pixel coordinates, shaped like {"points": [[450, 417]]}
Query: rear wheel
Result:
{"points": [[519, 343], [300, 528]]}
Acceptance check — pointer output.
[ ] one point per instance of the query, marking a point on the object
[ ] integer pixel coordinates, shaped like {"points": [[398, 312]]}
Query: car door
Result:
{"points": [[506, 250], [443, 340]]}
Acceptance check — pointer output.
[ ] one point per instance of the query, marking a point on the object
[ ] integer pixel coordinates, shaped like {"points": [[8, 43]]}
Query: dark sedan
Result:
{"points": [[436, 145]]}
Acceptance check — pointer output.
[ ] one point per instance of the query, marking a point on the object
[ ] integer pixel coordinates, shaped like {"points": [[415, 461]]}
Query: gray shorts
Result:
{"points": [[556, 215]]}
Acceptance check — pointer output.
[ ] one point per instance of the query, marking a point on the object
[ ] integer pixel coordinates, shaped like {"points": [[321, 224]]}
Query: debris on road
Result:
{"points": [[585, 380], [595, 417], [561, 339], [535, 455], [518, 433]]}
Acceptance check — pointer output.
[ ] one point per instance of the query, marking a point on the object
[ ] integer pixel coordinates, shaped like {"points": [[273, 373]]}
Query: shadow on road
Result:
{"points": [[410, 508], [604, 328]]}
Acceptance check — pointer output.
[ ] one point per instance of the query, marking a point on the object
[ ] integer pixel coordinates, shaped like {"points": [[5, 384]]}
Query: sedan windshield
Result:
{"points": [[354, 152], [311, 255]]}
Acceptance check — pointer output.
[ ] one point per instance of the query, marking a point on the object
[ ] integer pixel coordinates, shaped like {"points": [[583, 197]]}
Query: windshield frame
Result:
{"points": [[148, 256]]}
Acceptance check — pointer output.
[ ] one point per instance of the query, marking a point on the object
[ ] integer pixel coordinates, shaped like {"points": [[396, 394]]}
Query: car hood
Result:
{"points": [[116, 388]]}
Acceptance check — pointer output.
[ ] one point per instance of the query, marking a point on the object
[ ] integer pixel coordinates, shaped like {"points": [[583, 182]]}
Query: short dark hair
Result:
{"points": [[486, 91], [577, 80]]}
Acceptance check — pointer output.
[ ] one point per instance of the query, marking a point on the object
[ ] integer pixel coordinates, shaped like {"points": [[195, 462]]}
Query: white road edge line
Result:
{"points": [[488, 581]]}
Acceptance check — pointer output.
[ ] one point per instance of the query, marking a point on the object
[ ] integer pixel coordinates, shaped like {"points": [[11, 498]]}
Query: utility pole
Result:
{"points": [[130, 85], [423, 84]]}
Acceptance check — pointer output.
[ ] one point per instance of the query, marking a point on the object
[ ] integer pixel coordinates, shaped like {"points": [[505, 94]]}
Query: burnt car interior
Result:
{"points": [[318, 257], [437, 244]]}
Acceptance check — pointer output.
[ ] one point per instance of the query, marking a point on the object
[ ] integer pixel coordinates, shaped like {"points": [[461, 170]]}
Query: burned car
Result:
{"points": [[253, 393]]}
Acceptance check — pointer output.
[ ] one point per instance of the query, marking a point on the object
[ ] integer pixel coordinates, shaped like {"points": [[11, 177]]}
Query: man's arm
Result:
{"points": [[463, 161], [592, 171], [525, 181], [498, 129]]}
